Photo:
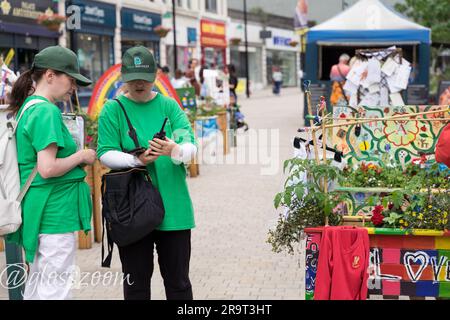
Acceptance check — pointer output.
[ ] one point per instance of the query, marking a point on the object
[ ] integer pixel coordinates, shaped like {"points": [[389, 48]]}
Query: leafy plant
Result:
{"points": [[91, 130], [306, 202]]}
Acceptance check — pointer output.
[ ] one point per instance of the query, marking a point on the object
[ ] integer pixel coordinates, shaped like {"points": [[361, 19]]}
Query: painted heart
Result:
{"points": [[412, 257]]}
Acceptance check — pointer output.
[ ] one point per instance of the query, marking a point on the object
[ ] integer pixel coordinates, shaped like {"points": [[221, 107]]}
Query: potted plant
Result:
{"points": [[235, 41], [161, 31], [51, 21], [305, 202]]}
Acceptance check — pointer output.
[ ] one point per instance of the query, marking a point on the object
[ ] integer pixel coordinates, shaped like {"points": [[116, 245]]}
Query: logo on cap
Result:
{"points": [[137, 61]]}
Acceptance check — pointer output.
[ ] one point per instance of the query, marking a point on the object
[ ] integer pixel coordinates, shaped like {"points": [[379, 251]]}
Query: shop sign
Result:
{"points": [[213, 28], [134, 20], [192, 36], [94, 13], [25, 11], [265, 34], [213, 34], [213, 42], [281, 41]]}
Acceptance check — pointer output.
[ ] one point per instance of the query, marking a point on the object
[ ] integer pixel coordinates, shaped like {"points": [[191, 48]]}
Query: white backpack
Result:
{"points": [[10, 194]]}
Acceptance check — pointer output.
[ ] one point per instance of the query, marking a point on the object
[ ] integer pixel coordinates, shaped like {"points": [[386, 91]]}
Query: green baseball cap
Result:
{"points": [[61, 59], [138, 63]]}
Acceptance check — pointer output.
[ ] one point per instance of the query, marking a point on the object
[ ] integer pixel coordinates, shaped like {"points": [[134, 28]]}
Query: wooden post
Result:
{"points": [[222, 123], [400, 117], [98, 172], [85, 241], [2, 245], [324, 156], [194, 169], [311, 123]]}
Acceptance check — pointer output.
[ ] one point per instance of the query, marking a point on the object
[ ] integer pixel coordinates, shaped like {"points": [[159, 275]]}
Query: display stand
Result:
{"points": [[406, 263]]}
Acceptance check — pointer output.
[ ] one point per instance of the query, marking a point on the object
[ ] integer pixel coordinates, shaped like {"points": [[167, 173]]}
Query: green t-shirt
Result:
{"points": [[168, 177], [55, 205], [40, 126]]}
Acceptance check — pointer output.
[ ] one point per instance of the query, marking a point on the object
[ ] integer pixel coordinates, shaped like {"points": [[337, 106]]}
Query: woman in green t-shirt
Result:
{"points": [[164, 160], [58, 202]]}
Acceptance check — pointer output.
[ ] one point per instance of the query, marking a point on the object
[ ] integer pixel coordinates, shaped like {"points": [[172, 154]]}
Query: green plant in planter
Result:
{"points": [[429, 211], [91, 130], [306, 202], [373, 176], [208, 108]]}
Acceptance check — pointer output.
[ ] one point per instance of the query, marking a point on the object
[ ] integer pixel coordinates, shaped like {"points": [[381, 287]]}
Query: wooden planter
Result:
{"points": [[194, 168], [94, 175], [223, 126], [413, 263]]}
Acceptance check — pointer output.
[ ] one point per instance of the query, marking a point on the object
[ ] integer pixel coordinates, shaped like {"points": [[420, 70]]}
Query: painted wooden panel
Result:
{"points": [[400, 265]]}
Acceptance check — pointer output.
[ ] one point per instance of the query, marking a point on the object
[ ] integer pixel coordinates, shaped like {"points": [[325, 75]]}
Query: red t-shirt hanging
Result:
{"points": [[343, 262]]}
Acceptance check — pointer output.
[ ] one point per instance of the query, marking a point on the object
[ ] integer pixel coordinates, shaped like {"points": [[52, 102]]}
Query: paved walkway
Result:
{"points": [[234, 211]]}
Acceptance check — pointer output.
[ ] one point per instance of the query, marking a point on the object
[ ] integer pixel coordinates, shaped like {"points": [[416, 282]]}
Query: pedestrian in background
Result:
{"points": [[58, 203], [233, 80], [338, 74], [166, 71], [277, 78], [179, 81]]}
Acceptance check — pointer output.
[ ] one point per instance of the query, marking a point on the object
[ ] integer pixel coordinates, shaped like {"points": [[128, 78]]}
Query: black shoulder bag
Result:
{"points": [[132, 206]]}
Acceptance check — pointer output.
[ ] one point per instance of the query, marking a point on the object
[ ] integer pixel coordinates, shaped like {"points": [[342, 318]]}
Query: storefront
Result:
{"points": [[255, 53], [186, 45], [94, 41], [21, 34], [137, 29], [213, 44], [283, 51]]}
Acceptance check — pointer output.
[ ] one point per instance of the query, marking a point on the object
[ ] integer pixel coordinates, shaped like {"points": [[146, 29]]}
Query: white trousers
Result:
{"points": [[51, 273]]}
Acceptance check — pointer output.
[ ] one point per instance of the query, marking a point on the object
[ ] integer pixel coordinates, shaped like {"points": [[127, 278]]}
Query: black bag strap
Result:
{"points": [[131, 131], [106, 262]]}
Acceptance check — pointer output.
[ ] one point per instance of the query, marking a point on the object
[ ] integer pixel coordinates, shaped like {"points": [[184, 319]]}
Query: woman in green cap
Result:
{"points": [[58, 202], [164, 160]]}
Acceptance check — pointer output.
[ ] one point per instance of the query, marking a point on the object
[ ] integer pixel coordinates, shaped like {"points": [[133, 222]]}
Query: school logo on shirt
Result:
{"points": [[356, 262]]}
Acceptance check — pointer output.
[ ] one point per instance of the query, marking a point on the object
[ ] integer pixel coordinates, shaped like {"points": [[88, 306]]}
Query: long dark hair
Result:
{"points": [[231, 69], [23, 87], [201, 76]]}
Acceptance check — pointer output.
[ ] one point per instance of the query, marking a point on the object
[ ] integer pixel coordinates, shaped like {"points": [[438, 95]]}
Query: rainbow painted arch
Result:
{"points": [[110, 85]]}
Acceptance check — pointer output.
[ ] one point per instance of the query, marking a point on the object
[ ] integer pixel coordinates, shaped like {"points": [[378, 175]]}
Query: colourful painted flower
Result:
{"points": [[401, 133]]}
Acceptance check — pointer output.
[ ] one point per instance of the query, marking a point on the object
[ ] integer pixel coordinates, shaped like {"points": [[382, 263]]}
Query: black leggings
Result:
{"points": [[174, 252]]}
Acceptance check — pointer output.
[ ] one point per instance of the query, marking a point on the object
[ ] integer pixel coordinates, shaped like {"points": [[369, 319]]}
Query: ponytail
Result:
{"points": [[23, 87]]}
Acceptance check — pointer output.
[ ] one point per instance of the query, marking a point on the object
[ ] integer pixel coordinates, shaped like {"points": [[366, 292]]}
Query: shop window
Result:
{"points": [[96, 55], [329, 56], [214, 58], [286, 60], [211, 5]]}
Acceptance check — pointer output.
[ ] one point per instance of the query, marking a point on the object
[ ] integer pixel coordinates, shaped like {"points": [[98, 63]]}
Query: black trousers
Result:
{"points": [[174, 253]]}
